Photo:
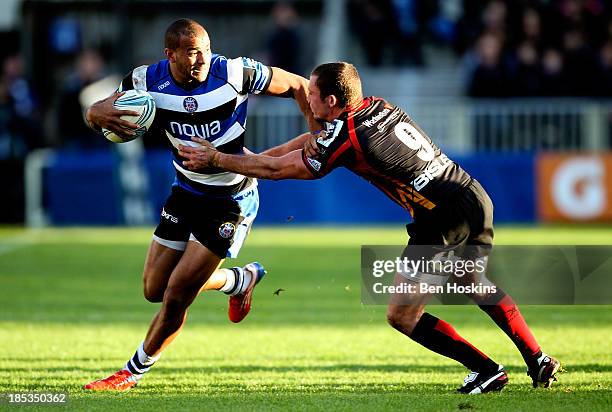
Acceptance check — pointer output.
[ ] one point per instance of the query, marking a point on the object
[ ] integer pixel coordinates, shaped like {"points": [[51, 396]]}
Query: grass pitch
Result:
{"points": [[72, 311]]}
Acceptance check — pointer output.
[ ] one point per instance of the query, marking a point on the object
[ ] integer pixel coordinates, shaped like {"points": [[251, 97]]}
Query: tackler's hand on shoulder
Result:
{"points": [[198, 157], [104, 115]]}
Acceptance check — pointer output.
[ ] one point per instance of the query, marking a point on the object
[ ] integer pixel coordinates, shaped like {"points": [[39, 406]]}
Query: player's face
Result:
{"points": [[192, 59], [320, 107]]}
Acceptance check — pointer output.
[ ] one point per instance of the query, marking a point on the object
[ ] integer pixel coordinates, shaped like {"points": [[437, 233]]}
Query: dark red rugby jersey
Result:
{"points": [[379, 142]]}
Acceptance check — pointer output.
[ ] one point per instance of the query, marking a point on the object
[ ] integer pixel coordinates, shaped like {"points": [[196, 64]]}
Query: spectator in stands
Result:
{"points": [[20, 129], [494, 18], [527, 79], [443, 17], [531, 28], [580, 64], [284, 43], [469, 27], [605, 70], [372, 22], [88, 68], [490, 76], [407, 38], [553, 81]]}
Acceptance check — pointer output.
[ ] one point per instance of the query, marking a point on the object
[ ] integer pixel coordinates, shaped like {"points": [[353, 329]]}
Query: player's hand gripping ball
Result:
{"points": [[138, 101]]}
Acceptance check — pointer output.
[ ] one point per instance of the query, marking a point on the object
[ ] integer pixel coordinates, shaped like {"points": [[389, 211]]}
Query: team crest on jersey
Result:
{"points": [[226, 230], [190, 104]]}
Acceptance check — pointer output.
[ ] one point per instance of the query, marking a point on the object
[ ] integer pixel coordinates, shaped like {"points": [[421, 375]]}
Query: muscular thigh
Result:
{"points": [[169, 242]]}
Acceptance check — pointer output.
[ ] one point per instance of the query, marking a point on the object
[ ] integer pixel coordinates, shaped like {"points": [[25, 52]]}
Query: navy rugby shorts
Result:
{"points": [[221, 223]]}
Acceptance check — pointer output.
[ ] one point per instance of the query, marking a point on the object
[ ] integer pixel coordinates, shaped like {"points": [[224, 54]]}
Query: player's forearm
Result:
{"points": [[289, 166], [91, 120], [103, 114], [294, 144], [259, 166], [289, 84]]}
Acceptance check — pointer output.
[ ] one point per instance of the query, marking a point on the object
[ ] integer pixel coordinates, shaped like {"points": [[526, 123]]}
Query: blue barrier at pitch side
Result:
{"points": [[510, 181], [80, 188], [84, 188], [342, 197]]}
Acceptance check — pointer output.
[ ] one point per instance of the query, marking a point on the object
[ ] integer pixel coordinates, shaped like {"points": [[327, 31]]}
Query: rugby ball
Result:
{"points": [[138, 101]]}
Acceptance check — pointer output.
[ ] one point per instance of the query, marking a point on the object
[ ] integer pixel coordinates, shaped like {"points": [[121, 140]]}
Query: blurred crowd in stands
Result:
{"points": [[20, 116], [505, 48], [508, 47], [556, 48]]}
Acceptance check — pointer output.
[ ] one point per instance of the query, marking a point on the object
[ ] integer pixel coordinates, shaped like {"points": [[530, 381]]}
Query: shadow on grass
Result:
{"points": [[245, 369]]}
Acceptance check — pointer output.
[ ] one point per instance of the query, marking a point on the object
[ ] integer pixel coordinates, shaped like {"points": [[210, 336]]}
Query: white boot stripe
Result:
{"points": [[483, 385]]}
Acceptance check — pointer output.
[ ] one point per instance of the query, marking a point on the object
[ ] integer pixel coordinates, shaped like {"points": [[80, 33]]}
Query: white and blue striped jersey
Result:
{"points": [[214, 110]]}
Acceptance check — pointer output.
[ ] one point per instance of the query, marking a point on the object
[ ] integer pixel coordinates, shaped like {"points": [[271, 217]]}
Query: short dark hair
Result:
{"points": [[341, 80], [178, 28]]}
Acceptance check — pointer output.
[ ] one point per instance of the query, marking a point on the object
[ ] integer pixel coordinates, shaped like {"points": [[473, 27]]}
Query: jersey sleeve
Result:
{"points": [[126, 83], [248, 75], [136, 79], [334, 150]]}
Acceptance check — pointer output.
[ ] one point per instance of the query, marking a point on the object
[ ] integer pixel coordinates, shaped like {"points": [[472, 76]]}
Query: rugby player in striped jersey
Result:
{"points": [[209, 212]]}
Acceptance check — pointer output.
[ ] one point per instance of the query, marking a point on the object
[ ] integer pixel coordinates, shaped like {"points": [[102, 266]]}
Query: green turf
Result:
{"points": [[72, 311]]}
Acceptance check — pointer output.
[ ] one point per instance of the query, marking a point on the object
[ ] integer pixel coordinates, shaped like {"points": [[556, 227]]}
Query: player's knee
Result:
{"points": [[394, 319], [153, 291], [404, 320], [153, 294], [483, 298], [154, 286], [175, 303]]}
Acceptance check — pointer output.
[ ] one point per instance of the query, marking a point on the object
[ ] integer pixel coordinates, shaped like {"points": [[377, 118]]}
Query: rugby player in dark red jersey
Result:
{"points": [[381, 143]]}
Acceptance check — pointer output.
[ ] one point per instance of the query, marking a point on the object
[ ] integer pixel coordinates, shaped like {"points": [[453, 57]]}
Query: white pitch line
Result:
{"points": [[12, 243], [6, 249]]}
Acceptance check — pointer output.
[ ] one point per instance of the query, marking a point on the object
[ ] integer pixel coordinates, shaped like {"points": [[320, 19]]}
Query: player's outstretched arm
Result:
{"points": [[102, 114], [289, 166], [294, 144], [286, 84]]}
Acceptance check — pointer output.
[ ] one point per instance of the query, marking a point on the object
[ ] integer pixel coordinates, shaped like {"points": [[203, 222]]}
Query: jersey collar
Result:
{"points": [[359, 106]]}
